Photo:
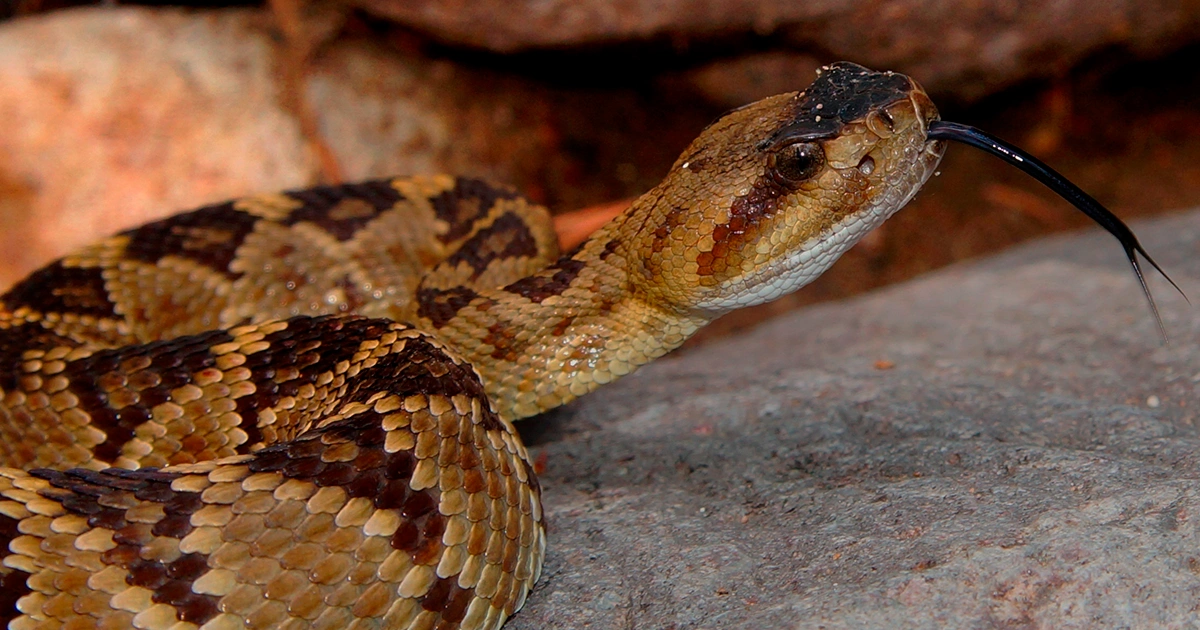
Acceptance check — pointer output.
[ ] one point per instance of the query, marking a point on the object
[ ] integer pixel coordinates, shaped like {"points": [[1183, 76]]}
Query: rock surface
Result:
{"points": [[964, 48], [1001, 444]]}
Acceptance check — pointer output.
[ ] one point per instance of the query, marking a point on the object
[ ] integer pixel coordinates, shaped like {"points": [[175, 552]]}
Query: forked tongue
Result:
{"points": [[943, 130]]}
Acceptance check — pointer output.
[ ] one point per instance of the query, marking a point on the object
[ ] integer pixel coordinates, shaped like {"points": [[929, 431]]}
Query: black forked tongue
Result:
{"points": [[942, 130]]}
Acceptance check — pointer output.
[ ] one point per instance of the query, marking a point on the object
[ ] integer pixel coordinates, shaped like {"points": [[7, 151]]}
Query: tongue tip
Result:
{"points": [[1063, 187]]}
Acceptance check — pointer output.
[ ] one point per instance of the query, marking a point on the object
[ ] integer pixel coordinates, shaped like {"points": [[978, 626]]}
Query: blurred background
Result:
{"points": [[113, 114]]}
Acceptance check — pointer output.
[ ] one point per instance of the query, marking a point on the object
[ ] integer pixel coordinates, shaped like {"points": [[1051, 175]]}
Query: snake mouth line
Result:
{"points": [[1063, 187]]}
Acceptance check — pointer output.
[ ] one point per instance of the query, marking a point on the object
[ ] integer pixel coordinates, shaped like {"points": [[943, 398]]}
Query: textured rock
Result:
{"points": [[117, 116], [965, 48], [1003, 444]]}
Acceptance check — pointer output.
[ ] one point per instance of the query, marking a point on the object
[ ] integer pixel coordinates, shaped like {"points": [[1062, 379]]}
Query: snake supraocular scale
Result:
{"points": [[295, 410]]}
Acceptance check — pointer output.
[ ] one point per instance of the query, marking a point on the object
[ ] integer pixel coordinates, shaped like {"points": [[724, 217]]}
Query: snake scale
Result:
{"points": [[296, 410]]}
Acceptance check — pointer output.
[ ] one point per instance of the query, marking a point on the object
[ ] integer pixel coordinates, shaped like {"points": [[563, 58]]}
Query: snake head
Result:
{"points": [[771, 194]]}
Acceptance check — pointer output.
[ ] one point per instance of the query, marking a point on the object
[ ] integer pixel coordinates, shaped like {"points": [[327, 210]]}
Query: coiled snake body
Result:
{"points": [[295, 410]]}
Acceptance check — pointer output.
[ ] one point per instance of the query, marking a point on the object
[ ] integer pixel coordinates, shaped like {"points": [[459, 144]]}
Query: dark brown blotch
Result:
{"points": [[439, 595], [189, 606], [439, 306], [345, 209], [549, 282], [312, 345], [56, 288], [171, 582], [470, 200], [420, 368], [339, 474], [135, 534], [563, 324], [406, 537], [507, 237], [16, 341], [429, 551], [367, 483], [503, 340], [418, 504], [89, 375], [209, 236], [400, 465], [611, 246], [173, 526], [457, 601]]}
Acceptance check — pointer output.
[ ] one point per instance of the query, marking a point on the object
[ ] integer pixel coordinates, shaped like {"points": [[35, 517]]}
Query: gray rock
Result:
{"points": [[1001, 444]]}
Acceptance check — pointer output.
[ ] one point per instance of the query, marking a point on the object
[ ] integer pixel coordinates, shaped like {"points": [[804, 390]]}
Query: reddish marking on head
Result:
{"points": [[745, 215]]}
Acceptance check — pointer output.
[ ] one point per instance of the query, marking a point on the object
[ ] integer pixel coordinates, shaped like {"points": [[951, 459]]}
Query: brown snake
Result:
{"points": [[219, 421]]}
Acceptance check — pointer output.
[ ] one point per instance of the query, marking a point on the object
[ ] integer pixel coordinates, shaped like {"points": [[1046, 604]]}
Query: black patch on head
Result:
{"points": [[469, 200], [551, 281], [343, 210], [844, 92], [441, 305], [209, 236], [506, 237], [59, 289]]}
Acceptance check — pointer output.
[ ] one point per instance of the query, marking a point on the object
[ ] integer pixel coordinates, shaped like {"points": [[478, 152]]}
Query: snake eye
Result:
{"points": [[887, 119], [796, 163]]}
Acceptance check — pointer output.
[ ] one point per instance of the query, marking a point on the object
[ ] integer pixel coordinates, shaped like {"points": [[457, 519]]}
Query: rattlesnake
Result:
{"points": [[296, 410]]}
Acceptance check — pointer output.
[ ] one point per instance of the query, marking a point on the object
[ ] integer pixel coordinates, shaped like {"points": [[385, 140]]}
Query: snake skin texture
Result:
{"points": [[296, 410]]}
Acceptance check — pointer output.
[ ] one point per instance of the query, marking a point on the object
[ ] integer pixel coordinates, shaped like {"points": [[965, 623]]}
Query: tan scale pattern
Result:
{"points": [[399, 508], [219, 421]]}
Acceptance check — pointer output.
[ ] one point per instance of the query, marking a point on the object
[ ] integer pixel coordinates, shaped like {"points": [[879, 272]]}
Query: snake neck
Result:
{"points": [[563, 331]]}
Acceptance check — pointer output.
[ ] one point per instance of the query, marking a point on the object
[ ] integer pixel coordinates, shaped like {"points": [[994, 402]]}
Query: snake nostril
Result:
{"points": [[866, 166]]}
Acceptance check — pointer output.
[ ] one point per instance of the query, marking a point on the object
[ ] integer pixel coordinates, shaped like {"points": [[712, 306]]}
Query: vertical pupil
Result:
{"points": [[797, 161]]}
